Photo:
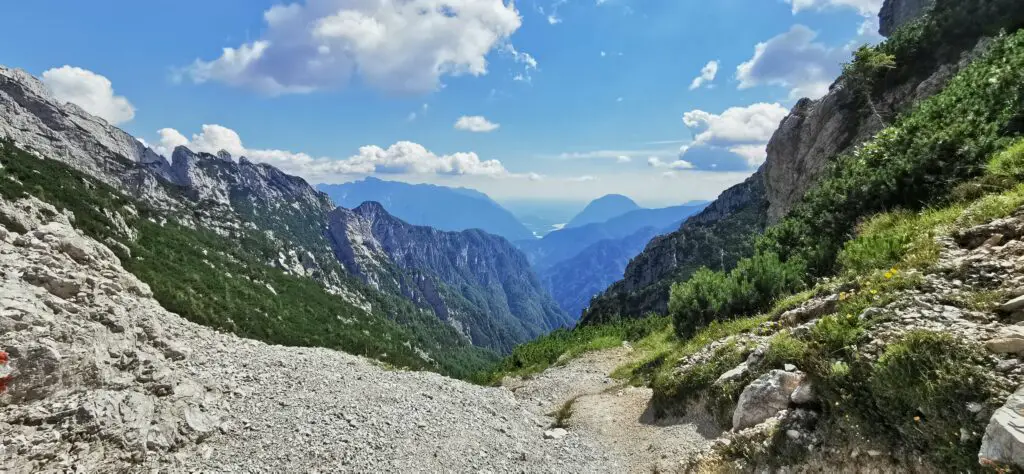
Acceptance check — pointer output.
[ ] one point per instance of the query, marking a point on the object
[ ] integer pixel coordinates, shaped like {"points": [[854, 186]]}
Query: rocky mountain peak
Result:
{"points": [[225, 156]]}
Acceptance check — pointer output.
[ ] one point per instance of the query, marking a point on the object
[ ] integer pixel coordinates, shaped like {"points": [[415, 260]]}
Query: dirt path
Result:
{"points": [[612, 416]]}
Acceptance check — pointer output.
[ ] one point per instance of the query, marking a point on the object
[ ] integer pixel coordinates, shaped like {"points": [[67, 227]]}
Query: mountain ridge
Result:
{"points": [[441, 207]]}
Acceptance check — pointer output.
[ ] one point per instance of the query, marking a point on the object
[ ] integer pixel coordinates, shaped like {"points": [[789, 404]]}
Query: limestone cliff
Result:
{"points": [[477, 282]]}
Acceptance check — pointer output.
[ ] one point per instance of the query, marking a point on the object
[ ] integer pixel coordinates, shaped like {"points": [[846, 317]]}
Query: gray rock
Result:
{"points": [[803, 394], [896, 13], [1013, 305], [764, 398], [1009, 340], [557, 433], [1004, 437]]}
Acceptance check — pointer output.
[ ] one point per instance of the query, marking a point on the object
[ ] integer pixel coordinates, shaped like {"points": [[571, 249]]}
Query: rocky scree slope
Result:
{"points": [[106, 380], [476, 282], [808, 139]]}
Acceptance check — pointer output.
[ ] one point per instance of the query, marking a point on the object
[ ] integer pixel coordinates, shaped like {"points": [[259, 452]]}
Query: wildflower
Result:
{"points": [[874, 292], [4, 357], [917, 418], [843, 296]]}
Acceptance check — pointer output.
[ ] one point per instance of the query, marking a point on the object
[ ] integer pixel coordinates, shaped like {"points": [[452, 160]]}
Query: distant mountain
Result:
{"points": [[442, 208], [574, 281], [476, 282], [567, 243], [602, 209]]}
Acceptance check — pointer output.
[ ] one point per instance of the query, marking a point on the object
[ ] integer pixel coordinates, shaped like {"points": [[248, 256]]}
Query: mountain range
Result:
{"points": [[234, 210], [440, 207]]}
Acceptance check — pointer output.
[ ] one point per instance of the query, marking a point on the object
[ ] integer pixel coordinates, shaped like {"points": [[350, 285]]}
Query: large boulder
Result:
{"points": [[1003, 442], [765, 398]]}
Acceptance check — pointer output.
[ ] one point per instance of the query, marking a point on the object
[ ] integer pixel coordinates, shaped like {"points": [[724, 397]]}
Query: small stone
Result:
{"points": [[793, 434], [993, 241], [974, 407], [874, 453], [789, 368], [1007, 365], [803, 394], [557, 433]]}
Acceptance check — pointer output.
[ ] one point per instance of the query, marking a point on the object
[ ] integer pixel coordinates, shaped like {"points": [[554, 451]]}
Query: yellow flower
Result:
{"points": [[888, 275], [874, 292]]}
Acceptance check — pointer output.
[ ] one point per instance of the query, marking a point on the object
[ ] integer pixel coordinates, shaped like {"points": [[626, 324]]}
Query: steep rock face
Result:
{"points": [[31, 117], [896, 13], [477, 282]]}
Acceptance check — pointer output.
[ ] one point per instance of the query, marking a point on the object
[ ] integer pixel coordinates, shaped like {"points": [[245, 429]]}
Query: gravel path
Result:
{"points": [[615, 417]]}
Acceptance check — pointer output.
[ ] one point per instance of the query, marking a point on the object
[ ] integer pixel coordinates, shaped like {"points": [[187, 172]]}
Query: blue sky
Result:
{"points": [[551, 99]]}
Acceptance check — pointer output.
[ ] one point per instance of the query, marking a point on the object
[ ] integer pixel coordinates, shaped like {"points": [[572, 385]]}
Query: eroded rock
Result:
{"points": [[764, 398]]}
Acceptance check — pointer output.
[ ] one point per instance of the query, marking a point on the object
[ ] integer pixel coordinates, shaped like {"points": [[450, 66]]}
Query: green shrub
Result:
{"points": [[747, 289], [1009, 163], [564, 344], [783, 349], [674, 391], [922, 386]]}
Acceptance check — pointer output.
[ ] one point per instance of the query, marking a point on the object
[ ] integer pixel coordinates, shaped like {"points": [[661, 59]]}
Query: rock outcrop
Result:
{"points": [[896, 13], [479, 283], [1003, 442], [765, 398]]}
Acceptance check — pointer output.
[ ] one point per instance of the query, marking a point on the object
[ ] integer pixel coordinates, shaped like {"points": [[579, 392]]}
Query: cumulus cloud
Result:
{"points": [[795, 61], [754, 123], [864, 7], [678, 164], [403, 46], [400, 158], [707, 75], [475, 123], [623, 159], [90, 91], [735, 139]]}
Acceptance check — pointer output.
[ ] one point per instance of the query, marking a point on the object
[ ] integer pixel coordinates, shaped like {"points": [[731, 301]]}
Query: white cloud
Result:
{"points": [[864, 7], [400, 158], [406, 46], [603, 54], [475, 123], [656, 162], [734, 139], [707, 75], [754, 154], [90, 91], [751, 124], [554, 20], [582, 179], [621, 156], [795, 61]]}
